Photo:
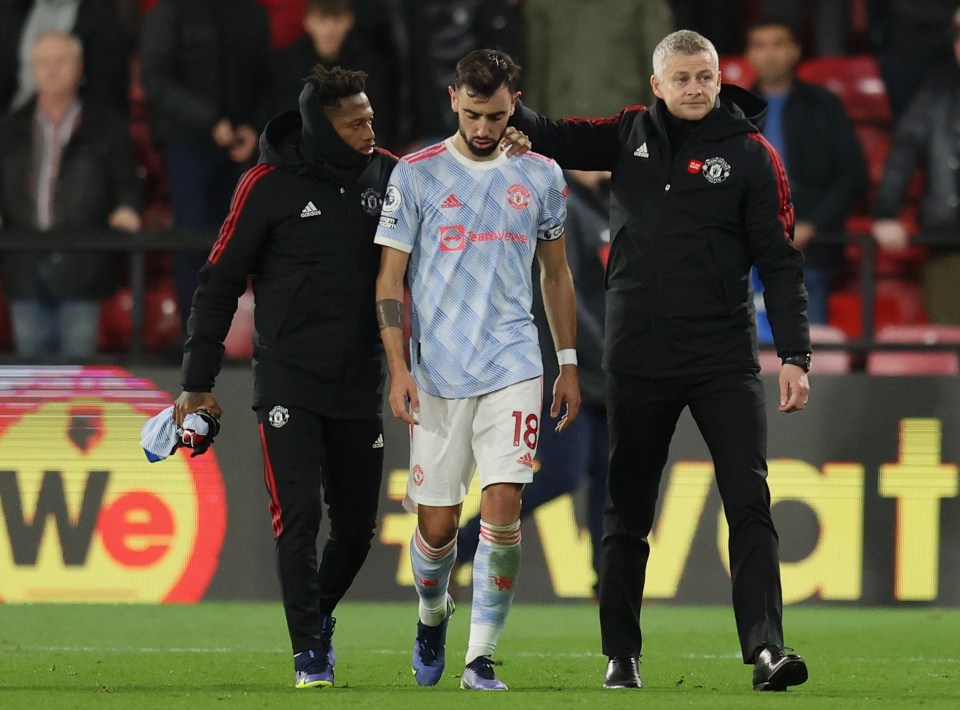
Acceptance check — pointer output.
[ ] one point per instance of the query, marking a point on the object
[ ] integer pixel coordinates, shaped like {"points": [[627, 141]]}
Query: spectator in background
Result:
{"points": [[570, 43], [719, 18], [911, 40], [286, 21], [330, 39], [205, 71], [580, 454], [437, 34], [102, 33], [810, 129], [130, 14], [284, 16], [67, 164], [927, 135], [829, 21]]}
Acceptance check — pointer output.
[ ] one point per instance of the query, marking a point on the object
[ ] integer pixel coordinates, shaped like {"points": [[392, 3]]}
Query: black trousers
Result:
{"points": [[305, 455], [728, 408]]}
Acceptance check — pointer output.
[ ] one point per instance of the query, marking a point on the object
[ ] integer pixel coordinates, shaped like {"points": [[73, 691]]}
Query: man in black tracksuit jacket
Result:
{"points": [[301, 225], [698, 197]]}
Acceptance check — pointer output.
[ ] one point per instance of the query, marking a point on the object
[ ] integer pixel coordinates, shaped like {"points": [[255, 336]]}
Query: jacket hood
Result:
{"points": [[743, 104], [280, 141], [306, 141]]}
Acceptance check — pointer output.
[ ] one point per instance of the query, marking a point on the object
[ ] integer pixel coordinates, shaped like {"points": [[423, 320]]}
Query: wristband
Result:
{"points": [[567, 356]]}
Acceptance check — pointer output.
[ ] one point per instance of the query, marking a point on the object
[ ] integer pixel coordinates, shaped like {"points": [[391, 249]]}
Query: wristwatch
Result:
{"points": [[798, 359]]}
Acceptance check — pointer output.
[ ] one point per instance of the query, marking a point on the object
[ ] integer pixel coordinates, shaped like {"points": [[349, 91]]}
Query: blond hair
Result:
{"points": [[682, 42]]}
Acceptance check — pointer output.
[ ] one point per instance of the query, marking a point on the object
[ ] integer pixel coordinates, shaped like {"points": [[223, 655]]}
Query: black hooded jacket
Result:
{"points": [[685, 230], [303, 232]]}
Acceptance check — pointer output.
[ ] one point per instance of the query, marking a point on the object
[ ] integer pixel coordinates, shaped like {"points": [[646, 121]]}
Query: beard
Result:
{"points": [[481, 152]]}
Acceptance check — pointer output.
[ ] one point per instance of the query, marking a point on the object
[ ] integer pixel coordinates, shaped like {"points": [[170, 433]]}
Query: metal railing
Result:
{"points": [[867, 277], [138, 245]]}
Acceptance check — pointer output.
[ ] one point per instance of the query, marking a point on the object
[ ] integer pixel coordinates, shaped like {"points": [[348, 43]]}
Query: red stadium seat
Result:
{"points": [[903, 264], [734, 69], [916, 362], [875, 141], [161, 316], [856, 80], [896, 302], [909, 297], [115, 325], [161, 319], [286, 21]]}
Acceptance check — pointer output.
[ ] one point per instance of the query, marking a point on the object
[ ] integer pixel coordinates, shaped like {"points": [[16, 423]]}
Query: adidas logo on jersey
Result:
{"points": [[526, 460], [378, 444], [451, 201], [310, 210], [642, 151]]}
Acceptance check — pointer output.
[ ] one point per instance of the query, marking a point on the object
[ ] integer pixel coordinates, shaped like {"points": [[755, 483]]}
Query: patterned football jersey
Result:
{"points": [[471, 229]]}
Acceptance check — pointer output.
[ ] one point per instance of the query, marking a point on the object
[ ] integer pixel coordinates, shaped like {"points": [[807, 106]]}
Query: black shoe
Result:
{"points": [[623, 672], [776, 669]]}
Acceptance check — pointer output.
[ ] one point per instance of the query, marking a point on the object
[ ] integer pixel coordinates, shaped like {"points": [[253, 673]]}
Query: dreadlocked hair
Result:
{"points": [[331, 85]]}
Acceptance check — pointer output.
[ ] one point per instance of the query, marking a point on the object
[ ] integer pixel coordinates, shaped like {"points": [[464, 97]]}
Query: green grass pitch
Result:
{"points": [[215, 655]]}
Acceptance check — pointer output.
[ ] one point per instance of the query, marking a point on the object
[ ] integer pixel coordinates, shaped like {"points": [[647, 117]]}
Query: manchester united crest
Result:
{"points": [[518, 196], [716, 170], [371, 201], [278, 416]]}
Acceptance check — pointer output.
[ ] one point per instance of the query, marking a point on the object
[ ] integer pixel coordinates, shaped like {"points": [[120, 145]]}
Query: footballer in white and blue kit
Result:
{"points": [[462, 223], [473, 228]]}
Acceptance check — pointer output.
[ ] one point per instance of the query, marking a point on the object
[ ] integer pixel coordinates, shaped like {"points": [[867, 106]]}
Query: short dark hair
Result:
{"points": [[486, 70], [331, 85], [775, 21]]}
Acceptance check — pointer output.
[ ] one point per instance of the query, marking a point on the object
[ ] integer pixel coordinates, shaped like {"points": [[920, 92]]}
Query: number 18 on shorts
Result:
{"points": [[495, 434]]}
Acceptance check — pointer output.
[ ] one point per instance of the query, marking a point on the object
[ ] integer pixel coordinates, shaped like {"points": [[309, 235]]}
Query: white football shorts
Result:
{"points": [[495, 433]]}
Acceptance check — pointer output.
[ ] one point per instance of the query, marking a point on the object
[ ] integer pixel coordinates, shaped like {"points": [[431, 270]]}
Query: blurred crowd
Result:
{"points": [[142, 114]]}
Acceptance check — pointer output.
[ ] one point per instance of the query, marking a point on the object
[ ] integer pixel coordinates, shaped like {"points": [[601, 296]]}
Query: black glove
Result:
{"points": [[200, 442]]}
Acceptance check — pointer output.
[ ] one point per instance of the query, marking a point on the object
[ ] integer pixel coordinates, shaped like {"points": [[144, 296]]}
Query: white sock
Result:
{"points": [[431, 575], [495, 569]]}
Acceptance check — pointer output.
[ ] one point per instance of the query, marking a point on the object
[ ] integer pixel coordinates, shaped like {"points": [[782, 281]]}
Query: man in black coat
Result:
{"points": [[699, 196], [301, 225], [332, 38], [205, 67], [926, 139], [437, 33], [810, 129], [66, 165], [97, 24]]}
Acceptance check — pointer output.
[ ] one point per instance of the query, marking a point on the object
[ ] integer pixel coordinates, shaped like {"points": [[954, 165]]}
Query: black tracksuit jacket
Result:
{"points": [[685, 231], [306, 241]]}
